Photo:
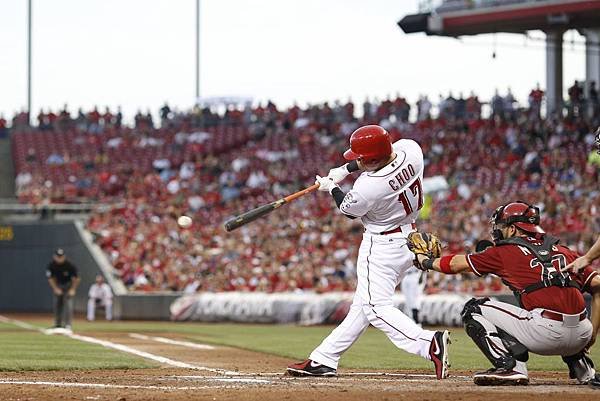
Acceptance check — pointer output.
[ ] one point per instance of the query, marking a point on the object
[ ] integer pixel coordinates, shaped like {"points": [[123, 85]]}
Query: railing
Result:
{"points": [[53, 208], [442, 6]]}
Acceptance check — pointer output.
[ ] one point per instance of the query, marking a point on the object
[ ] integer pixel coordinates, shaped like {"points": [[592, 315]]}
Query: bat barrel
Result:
{"points": [[251, 215], [260, 211]]}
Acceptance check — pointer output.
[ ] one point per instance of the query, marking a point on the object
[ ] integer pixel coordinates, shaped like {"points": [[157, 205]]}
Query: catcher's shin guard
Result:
{"points": [[487, 340], [581, 367], [518, 350]]}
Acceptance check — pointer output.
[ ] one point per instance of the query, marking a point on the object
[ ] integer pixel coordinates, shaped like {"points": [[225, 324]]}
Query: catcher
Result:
{"points": [[551, 319]]}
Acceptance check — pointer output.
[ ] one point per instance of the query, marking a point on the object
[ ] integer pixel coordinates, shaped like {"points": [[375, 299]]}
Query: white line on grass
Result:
{"points": [[171, 342], [19, 323], [125, 348], [180, 364], [147, 355]]}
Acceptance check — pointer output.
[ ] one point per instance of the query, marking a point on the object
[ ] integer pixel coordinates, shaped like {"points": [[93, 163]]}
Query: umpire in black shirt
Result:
{"points": [[63, 279]]}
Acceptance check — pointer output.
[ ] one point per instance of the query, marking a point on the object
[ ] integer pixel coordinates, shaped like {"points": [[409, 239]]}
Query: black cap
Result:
{"points": [[59, 252]]}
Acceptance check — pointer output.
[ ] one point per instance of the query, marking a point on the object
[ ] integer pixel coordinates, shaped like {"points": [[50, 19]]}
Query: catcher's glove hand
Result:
{"points": [[425, 244]]}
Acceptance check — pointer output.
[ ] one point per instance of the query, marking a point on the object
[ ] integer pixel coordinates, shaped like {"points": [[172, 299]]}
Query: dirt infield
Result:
{"points": [[222, 373]]}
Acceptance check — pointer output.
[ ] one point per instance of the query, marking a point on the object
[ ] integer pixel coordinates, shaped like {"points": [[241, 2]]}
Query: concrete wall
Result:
{"points": [[26, 248], [25, 251], [136, 306]]}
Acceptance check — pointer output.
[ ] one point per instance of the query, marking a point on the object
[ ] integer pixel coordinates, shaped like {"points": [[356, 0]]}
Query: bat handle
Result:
{"points": [[301, 193]]}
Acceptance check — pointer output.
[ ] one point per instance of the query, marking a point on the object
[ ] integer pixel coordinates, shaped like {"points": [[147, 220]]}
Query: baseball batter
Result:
{"points": [[386, 197], [551, 319]]}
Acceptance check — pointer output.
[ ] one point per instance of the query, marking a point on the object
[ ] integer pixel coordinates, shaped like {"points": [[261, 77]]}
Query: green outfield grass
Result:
{"points": [[28, 350], [372, 351]]}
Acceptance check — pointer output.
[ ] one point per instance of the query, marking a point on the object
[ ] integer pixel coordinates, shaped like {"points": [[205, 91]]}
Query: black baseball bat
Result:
{"points": [[260, 211]]}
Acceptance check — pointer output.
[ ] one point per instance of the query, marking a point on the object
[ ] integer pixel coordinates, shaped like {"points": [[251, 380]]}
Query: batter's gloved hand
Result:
{"points": [[326, 184], [338, 174], [424, 246]]}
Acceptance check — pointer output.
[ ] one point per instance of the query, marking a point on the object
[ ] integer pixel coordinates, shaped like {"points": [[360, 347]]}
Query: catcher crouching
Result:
{"points": [[551, 319]]}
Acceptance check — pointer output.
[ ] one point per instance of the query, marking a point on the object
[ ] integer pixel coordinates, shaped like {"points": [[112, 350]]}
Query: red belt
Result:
{"points": [[398, 229], [559, 316]]}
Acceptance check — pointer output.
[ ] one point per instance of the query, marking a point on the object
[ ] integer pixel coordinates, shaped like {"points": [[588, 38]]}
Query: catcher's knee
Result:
{"points": [[472, 306], [498, 357], [518, 350]]}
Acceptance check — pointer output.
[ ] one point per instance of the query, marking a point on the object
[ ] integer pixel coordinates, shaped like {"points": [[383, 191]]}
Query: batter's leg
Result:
{"points": [[328, 353], [400, 329], [379, 270]]}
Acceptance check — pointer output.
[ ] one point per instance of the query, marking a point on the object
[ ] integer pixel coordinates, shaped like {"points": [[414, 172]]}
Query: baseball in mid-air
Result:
{"points": [[184, 221]]}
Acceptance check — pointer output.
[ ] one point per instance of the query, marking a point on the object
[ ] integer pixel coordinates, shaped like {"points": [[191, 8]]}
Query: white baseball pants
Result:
{"points": [[91, 308], [381, 265]]}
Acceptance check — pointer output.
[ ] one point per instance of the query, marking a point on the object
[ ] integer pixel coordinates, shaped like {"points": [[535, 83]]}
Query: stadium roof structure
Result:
{"points": [[455, 18], [462, 17]]}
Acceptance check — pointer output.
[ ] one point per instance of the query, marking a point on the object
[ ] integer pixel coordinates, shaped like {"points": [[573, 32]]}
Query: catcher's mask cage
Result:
{"points": [[520, 214]]}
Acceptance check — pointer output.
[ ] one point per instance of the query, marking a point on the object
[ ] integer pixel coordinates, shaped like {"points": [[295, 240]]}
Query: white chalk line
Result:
{"points": [[165, 340], [180, 364], [20, 324], [372, 376], [109, 386], [148, 355], [124, 348]]}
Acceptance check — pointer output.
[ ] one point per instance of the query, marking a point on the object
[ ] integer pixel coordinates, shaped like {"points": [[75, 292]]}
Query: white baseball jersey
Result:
{"points": [[100, 291], [384, 200], [392, 196]]}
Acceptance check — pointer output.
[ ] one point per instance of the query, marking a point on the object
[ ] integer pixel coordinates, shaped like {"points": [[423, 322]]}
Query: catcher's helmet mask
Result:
{"points": [[521, 214]]}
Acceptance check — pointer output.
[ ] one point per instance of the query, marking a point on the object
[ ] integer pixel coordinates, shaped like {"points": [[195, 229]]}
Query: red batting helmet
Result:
{"points": [[521, 214], [370, 144]]}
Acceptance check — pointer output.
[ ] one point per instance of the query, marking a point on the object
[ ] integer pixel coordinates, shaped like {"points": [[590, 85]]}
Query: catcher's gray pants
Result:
{"points": [[538, 334], [63, 310]]}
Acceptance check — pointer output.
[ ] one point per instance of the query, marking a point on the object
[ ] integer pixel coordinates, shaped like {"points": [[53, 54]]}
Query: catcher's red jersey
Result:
{"points": [[519, 268]]}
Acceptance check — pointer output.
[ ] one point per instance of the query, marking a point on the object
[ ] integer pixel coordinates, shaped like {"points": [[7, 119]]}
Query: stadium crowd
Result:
{"points": [[211, 165]]}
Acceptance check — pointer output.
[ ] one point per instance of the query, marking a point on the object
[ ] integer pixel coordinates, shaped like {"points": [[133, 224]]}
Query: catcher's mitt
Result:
{"points": [[425, 244]]}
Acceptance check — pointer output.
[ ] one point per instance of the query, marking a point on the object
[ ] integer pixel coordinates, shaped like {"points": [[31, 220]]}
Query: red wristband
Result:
{"points": [[445, 264]]}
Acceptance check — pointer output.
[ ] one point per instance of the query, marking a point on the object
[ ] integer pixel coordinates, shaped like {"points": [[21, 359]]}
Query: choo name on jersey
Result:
{"points": [[403, 177]]}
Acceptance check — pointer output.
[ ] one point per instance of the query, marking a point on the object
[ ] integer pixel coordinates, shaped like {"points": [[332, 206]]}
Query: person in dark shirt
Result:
{"points": [[63, 279], [552, 317]]}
